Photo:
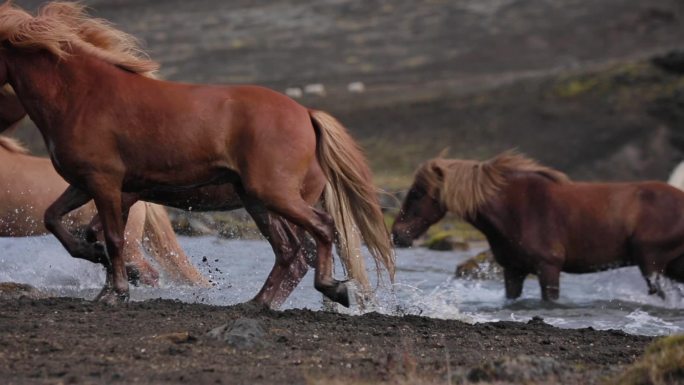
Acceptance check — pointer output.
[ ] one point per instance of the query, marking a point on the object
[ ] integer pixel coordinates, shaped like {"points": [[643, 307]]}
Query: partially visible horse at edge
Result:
{"points": [[677, 177], [538, 221], [28, 185], [118, 136]]}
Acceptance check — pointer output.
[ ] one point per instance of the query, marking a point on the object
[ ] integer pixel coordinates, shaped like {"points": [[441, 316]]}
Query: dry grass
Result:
{"points": [[662, 363]]}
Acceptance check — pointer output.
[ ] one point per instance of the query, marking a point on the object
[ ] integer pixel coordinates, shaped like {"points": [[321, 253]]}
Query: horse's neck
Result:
{"points": [[495, 215], [51, 89], [11, 110]]}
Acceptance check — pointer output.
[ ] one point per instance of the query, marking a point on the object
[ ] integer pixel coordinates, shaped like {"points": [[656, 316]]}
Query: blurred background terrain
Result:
{"points": [[594, 88]]}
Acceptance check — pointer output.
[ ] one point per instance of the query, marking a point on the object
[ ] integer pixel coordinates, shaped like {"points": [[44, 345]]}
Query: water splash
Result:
{"points": [[614, 299]]}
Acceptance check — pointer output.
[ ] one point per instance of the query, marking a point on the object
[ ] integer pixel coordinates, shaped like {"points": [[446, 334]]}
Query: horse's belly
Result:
{"points": [[204, 198], [182, 179], [590, 262]]}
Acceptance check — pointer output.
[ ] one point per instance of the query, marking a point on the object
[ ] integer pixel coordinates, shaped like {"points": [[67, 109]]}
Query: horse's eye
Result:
{"points": [[415, 194]]}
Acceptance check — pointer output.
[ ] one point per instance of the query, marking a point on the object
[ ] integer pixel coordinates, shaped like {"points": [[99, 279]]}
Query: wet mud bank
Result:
{"points": [[64, 340]]}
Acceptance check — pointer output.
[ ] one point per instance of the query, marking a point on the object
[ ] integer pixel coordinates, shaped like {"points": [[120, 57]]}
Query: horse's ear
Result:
{"points": [[442, 154], [437, 170]]}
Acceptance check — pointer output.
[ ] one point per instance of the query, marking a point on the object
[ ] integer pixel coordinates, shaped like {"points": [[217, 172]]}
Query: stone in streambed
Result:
{"points": [[13, 290], [481, 266], [521, 369], [243, 333]]}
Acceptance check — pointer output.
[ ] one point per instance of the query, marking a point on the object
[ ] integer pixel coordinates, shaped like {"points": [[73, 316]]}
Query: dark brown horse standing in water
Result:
{"points": [[117, 136], [537, 221]]}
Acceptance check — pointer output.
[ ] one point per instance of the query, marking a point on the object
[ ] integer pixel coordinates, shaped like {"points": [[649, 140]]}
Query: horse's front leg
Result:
{"points": [[70, 200], [113, 214], [137, 268], [514, 281]]}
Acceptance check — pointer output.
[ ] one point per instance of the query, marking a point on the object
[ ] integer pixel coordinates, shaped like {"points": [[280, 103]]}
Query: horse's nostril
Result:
{"points": [[401, 241]]}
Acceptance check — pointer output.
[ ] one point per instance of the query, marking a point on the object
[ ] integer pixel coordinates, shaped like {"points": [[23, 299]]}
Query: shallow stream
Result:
{"points": [[615, 299]]}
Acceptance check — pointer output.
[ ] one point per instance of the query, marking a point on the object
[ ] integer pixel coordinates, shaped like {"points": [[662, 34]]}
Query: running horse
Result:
{"points": [[292, 248], [538, 221], [118, 136]]}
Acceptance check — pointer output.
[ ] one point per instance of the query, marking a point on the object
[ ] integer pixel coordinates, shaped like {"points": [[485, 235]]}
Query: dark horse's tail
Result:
{"points": [[351, 199]]}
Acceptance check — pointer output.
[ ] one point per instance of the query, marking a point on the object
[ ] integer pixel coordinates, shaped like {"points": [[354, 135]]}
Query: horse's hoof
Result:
{"points": [[336, 292], [109, 296], [256, 305]]}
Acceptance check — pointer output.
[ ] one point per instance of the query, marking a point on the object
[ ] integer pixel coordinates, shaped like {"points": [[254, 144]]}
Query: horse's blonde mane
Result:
{"points": [[12, 145], [463, 186], [58, 26]]}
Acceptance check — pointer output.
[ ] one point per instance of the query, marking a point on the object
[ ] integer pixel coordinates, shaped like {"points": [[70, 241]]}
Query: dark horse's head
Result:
{"points": [[422, 206]]}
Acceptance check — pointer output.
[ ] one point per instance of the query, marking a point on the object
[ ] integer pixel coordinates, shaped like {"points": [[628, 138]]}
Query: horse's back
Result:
{"points": [[614, 220], [590, 226], [661, 213]]}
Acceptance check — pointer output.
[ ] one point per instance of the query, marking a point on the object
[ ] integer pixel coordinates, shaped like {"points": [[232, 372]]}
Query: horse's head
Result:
{"points": [[422, 207]]}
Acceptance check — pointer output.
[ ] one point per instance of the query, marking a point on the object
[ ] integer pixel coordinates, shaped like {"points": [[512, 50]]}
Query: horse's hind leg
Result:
{"points": [[290, 246], [675, 269], [70, 200], [288, 203], [652, 267]]}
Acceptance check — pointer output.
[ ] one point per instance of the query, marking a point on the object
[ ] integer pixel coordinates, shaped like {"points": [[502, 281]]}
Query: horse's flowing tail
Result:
{"points": [[161, 244], [351, 199]]}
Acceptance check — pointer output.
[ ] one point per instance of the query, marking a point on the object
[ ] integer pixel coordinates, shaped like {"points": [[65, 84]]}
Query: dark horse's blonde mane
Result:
{"points": [[12, 145], [463, 186], [60, 25]]}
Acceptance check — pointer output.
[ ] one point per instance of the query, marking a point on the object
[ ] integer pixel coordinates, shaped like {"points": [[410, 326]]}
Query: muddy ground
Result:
{"points": [[64, 340]]}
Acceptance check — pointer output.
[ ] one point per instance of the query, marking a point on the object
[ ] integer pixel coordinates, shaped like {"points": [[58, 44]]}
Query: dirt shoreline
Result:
{"points": [[72, 341]]}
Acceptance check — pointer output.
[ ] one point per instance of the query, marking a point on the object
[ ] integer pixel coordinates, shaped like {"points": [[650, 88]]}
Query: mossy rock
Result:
{"points": [[446, 240], [662, 363], [481, 266], [13, 290]]}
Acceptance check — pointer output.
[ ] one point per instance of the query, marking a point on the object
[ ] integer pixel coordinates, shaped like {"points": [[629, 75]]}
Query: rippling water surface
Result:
{"points": [[614, 299]]}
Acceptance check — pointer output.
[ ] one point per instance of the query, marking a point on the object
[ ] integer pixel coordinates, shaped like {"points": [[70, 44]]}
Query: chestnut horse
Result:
{"points": [[28, 185], [118, 136], [292, 248], [537, 221]]}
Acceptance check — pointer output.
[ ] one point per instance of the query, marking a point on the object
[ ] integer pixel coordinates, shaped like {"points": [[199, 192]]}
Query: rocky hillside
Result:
{"points": [[567, 81]]}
